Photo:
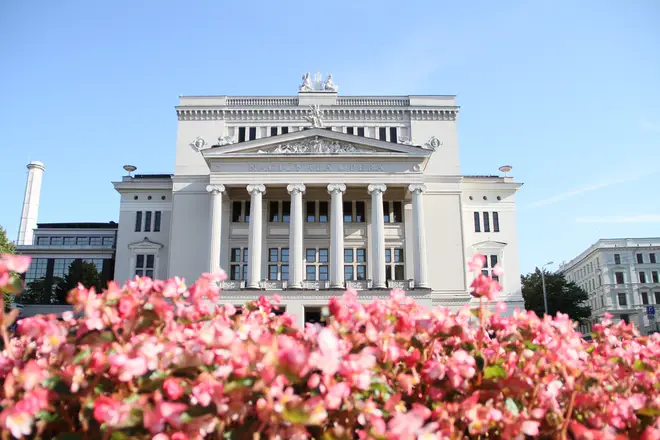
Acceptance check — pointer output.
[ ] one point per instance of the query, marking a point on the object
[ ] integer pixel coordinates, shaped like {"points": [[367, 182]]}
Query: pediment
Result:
{"points": [[315, 142], [145, 245], [489, 244]]}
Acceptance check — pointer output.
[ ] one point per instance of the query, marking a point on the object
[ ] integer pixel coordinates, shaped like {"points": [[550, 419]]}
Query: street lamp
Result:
{"points": [[545, 295]]}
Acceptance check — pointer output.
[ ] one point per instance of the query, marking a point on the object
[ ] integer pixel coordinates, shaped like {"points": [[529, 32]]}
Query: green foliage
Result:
{"points": [[563, 296], [6, 247], [79, 272]]}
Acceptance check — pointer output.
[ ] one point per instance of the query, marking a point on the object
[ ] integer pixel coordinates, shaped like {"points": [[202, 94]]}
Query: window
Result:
{"points": [[642, 277], [82, 241], [619, 277], [98, 262], [486, 222], [286, 211], [147, 221], [393, 137], [359, 212], [43, 240], [645, 298], [36, 272], [477, 222], [95, 241], [311, 212], [625, 318], [69, 241], [61, 267], [274, 211], [56, 241], [355, 264], [285, 130], [654, 276], [316, 261], [138, 221], [382, 133], [236, 211], [253, 133], [241, 134], [386, 212], [273, 131], [652, 258], [352, 215], [157, 215], [238, 266], [323, 212], [623, 301], [496, 222], [314, 315], [144, 265], [360, 131], [617, 259], [348, 212], [278, 264], [640, 258], [491, 262], [350, 130], [394, 264], [392, 212], [657, 297]]}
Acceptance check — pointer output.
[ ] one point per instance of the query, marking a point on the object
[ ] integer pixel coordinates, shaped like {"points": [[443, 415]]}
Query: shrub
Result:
{"points": [[160, 360]]}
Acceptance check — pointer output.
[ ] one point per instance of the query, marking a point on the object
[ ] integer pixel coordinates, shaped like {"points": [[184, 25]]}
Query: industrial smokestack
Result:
{"points": [[31, 203]]}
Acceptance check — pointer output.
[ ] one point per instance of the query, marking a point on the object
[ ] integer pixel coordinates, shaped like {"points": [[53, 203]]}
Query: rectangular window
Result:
{"points": [[642, 277], [310, 273], [323, 273], [617, 259], [273, 255], [623, 301], [144, 265], [286, 211], [245, 272], [247, 212], [652, 258], [285, 130], [147, 221], [386, 212], [273, 131], [640, 258], [645, 298], [393, 134], [619, 277], [348, 255], [348, 272], [245, 255], [657, 297], [108, 241], [43, 241], [284, 255], [496, 222], [241, 134], [361, 256], [82, 241], [311, 211], [388, 255], [323, 212], [272, 272], [138, 221], [493, 261], [253, 133], [310, 255], [285, 272], [235, 256], [361, 273], [398, 272], [477, 222], [486, 222], [654, 276], [360, 131], [56, 241], [236, 211], [69, 241], [95, 241], [382, 133], [235, 272], [359, 212], [314, 315], [350, 130], [398, 255], [274, 211], [323, 255], [397, 212], [157, 215], [348, 212]]}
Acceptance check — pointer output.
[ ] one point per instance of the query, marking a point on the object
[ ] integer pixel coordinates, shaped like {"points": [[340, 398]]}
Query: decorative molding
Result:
{"points": [[199, 144], [419, 188], [296, 187], [256, 188], [336, 188], [315, 146], [377, 187], [224, 140], [405, 140], [144, 245], [215, 189], [432, 144], [318, 85], [315, 116]]}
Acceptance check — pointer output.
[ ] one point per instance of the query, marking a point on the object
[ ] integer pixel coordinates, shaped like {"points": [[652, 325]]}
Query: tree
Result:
{"points": [[6, 247], [79, 272], [563, 296]]}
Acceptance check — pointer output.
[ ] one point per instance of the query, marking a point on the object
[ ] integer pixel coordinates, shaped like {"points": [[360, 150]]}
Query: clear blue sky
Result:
{"points": [[566, 92]]}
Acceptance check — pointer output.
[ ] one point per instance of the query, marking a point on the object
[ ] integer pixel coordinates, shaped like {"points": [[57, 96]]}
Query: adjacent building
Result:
{"points": [[308, 194], [621, 277]]}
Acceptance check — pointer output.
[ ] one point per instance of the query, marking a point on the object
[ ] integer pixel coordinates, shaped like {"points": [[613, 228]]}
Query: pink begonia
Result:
{"points": [[110, 411], [173, 389], [476, 263], [19, 423]]}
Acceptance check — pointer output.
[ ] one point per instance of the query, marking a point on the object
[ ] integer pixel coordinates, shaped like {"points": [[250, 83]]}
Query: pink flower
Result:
{"points": [[19, 424], [434, 369], [127, 368], [110, 411], [127, 306], [329, 358], [500, 307], [530, 428], [32, 375], [497, 270], [336, 395], [162, 413], [14, 263], [173, 388], [485, 287], [477, 263]]}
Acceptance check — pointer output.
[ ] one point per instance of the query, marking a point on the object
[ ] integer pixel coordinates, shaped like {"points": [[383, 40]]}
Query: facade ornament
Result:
{"points": [[296, 188], [417, 168], [405, 140], [330, 86], [377, 187], [315, 146], [306, 85], [215, 189], [418, 188], [225, 140], [432, 144], [336, 188], [317, 84], [315, 116], [256, 188], [199, 144]]}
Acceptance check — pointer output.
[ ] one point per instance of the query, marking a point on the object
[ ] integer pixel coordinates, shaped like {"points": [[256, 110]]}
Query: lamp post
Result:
{"points": [[545, 295]]}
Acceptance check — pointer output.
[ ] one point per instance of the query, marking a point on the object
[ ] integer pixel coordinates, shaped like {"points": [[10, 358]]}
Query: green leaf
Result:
{"points": [[118, 435], [475, 312], [82, 355], [511, 406], [295, 415], [530, 345], [494, 371], [649, 412], [480, 361], [47, 416], [245, 382], [639, 365]]}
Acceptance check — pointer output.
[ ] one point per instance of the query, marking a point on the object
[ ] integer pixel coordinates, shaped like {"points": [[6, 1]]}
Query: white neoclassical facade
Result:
{"points": [[305, 195]]}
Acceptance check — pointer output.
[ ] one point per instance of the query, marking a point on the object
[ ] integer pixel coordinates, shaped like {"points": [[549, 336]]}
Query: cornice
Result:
{"points": [[298, 295]]}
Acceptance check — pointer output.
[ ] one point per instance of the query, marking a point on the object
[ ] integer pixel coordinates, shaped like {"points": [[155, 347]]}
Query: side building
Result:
{"points": [[622, 277]]}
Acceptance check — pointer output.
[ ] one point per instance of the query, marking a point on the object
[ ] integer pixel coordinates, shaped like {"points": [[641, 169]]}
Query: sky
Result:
{"points": [[566, 92]]}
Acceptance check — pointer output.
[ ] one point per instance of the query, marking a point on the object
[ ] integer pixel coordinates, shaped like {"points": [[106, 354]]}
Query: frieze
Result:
{"points": [[332, 114], [290, 167], [315, 146]]}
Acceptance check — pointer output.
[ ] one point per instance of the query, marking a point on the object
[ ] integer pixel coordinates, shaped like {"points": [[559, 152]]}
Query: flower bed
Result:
{"points": [[158, 360]]}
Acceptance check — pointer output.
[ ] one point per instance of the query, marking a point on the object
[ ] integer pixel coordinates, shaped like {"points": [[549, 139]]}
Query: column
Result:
{"points": [[254, 240], [216, 226], [377, 236], [336, 191], [296, 236], [419, 234]]}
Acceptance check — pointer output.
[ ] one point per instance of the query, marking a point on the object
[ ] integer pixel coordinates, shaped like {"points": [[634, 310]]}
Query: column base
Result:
{"points": [[379, 286], [253, 286], [294, 286], [337, 285]]}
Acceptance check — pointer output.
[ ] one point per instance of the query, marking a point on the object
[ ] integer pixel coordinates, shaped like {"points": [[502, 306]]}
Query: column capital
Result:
{"points": [[417, 188], [296, 187], [336, 188], [376, 187], [215, 189], [256, 188]]}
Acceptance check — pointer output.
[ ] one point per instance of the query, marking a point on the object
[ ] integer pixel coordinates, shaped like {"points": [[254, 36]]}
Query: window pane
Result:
{"points": [[652, 258], [272, 272], [388, 255], [285, 130], [323, 255], [397, 212], [273, 211], [69, 240], [157, 215], [348, 212], [654, 275], [310, 255], [285, 255], [235, 272], [56, 241], [645, 298], [147, 221], [241, 134], [273, 131], [285, 272], [235, 255], [139, 261], [477, 222], [273, 254], [484, 273], [311, 211], [93, 241], [348, 273], [310, 273], [398, 255], [360, 131], [43, 240], [138, 221], [139, 272], [235, 212], [393, 137], [362, 272], [361, 256], [245, 272], [642, 277], [486, 222], [323, 273], [348, 255], [398, 272], [253, 133], [619, 277], [640, 258], [245, 255], [149, 273], [150, 261], [493, 260], [382, 133], [496, 222], [350, 130], [657, 297], [388, 272], [622, 299], [323, 212], [359, 212], [286, 211], [617, 259], [247, 212], [82, 241], [386, 211]]}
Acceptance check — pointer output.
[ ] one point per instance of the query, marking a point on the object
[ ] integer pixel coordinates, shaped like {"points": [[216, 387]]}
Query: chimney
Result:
{"points": [[31, 203]]}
